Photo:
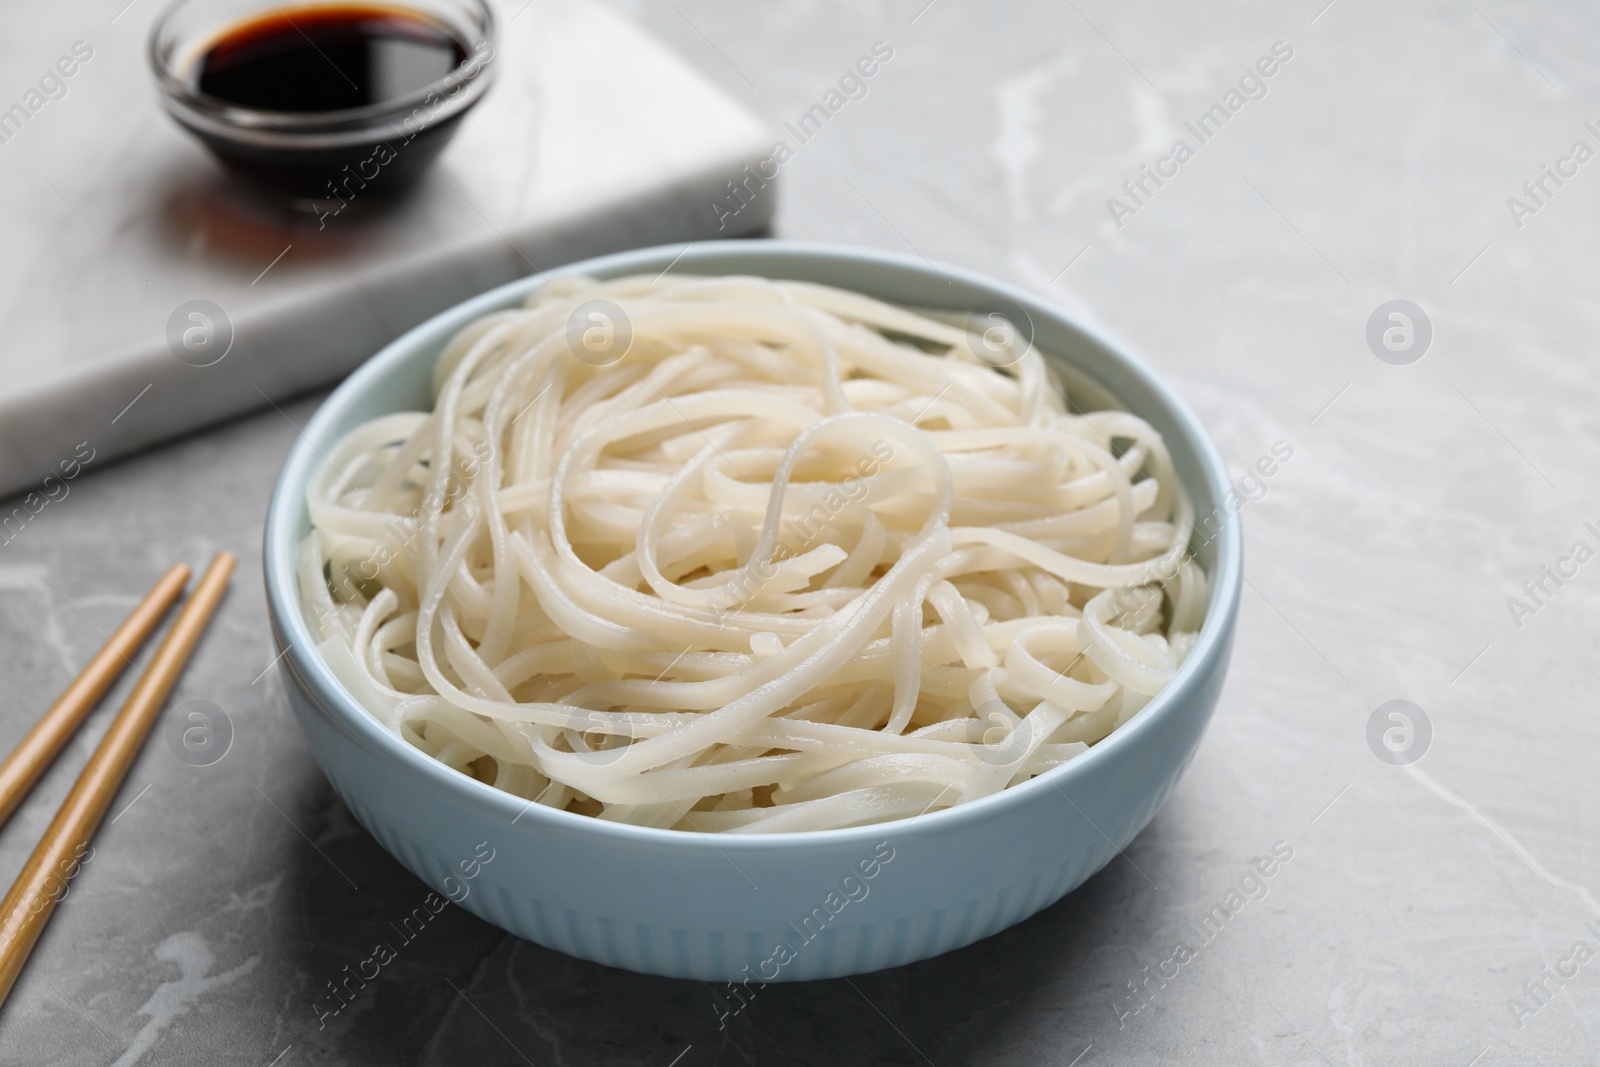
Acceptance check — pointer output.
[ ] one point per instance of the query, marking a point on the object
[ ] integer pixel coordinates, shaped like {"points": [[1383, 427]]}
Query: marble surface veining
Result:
{"points": [[1431, 913]]}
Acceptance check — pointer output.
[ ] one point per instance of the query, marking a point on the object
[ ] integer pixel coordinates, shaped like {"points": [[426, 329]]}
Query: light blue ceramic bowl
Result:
{"points": [[758, 908]]}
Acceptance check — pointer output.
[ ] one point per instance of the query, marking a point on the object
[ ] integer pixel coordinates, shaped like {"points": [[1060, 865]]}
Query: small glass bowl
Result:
{"points": [[324, 160]]}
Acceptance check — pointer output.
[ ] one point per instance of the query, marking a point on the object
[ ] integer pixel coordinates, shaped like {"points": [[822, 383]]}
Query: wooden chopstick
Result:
{"points": [[29, 759], [43, 881]]}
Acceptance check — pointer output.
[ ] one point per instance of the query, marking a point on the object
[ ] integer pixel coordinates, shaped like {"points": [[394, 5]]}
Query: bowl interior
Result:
{"points": [[188, 28], [1097, 372]]}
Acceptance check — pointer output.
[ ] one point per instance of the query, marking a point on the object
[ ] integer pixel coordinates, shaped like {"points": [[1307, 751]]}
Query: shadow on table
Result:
{"points": [[463, 991]]}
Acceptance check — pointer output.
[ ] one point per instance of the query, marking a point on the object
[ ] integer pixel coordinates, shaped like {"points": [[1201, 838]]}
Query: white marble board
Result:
{"points": [[593, 138]]}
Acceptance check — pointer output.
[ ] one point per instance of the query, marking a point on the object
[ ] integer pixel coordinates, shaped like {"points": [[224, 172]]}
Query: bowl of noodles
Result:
{"points": [[756, 611]]}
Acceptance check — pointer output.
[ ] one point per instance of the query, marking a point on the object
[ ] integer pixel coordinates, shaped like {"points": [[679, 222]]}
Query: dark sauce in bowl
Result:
{"points": [[328, 58], [333, 103]]}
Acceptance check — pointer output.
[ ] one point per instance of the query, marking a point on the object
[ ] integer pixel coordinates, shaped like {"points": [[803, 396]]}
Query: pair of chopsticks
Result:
{"points": [[41, 885]]}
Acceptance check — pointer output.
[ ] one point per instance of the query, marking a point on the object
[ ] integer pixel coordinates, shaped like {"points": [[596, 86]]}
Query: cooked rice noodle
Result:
{"points": [[797, 560]]}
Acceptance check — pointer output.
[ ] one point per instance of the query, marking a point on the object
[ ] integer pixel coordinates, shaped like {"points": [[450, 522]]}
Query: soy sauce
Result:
{"points": [[301, 74], [328, 58]]}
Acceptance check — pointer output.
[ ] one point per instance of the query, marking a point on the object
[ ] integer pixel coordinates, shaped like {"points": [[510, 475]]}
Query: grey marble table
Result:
{"points": [[1438, 912]]}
